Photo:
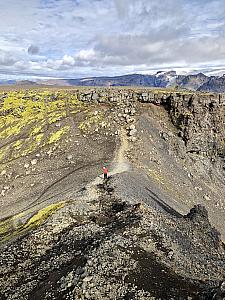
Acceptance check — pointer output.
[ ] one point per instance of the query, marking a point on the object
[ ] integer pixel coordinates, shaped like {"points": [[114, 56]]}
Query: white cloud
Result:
{"points": [[68, 60], [86, 55], [96, 37], [6, 59]]}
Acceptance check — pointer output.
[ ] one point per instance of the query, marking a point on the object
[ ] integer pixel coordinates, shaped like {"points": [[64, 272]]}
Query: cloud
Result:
{"points": [[86, 55], [104, 37], [68, 60], [6, 59], [33, 50], [122, 7]]}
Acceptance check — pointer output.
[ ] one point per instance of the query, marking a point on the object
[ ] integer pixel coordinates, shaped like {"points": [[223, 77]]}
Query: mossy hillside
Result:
{"points": [[27, 120], [14, 226]]}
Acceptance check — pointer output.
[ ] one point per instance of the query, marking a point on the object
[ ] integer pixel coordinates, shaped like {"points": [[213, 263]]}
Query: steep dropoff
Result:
{"points": [[182, 149], [200, 118], [201, 123]]}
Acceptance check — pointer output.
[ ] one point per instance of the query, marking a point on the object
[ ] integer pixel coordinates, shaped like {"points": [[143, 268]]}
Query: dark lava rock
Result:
{"points": [[198, 214]]}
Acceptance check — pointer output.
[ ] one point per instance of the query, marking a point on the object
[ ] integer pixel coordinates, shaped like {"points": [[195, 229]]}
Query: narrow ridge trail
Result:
{"points": [[119, 165]]}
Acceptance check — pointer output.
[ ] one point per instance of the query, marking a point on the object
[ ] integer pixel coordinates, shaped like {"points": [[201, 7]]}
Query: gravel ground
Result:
{"points": [[108, 248]]}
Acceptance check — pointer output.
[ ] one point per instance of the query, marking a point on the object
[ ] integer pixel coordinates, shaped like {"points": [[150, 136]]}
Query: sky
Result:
{"points": [[84, 38]]}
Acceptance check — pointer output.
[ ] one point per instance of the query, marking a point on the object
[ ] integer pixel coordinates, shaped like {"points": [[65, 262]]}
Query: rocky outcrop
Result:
{"points": [[200, 121], [199, 216], [199, 118]]}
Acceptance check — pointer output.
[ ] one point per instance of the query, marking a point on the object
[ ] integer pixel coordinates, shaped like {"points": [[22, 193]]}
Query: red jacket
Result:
{"points": [[105, 170]]}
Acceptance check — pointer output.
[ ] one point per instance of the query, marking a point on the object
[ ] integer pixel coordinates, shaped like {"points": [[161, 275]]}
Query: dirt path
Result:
{"points": [[90, 193], [119, 165]]}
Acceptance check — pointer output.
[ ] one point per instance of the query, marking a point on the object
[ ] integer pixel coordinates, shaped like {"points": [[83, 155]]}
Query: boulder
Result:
{"points": [[133, 132], [34, 162], [95, 97]]}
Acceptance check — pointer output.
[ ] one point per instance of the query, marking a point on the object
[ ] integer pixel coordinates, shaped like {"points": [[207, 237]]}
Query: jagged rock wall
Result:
{"points": [[200, 118]]}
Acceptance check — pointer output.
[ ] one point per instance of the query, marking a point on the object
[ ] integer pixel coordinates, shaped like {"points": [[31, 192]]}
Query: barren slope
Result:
{"points": [[67, 234]]}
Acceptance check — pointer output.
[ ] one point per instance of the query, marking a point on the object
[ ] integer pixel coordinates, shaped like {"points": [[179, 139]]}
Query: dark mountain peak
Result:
{"points": [[25, 82], [201, 75], [214, 84]]}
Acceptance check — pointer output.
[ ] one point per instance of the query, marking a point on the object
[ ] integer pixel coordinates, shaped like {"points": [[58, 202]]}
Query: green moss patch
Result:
{"points": [[14, 226], [27, 120]]}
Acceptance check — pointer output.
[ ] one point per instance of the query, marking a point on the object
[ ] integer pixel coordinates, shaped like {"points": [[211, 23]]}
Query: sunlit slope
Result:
{"points": [[46, 152], [27, 120]]}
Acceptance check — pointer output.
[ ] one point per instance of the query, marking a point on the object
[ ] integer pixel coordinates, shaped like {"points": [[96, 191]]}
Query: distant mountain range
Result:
{"points": [[196, 82]]}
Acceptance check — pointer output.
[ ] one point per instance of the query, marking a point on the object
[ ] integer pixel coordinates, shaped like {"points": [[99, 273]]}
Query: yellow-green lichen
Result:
{"points": [[7, 226], [35, 130], [18, 144], [14, 226], [2, 154], [39, 137], [43, 214], [56, 136], [91, 121], [28, 116]]}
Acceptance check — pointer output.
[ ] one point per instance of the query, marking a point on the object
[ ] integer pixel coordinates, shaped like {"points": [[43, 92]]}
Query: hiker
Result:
{"points": [[105, 172]]}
